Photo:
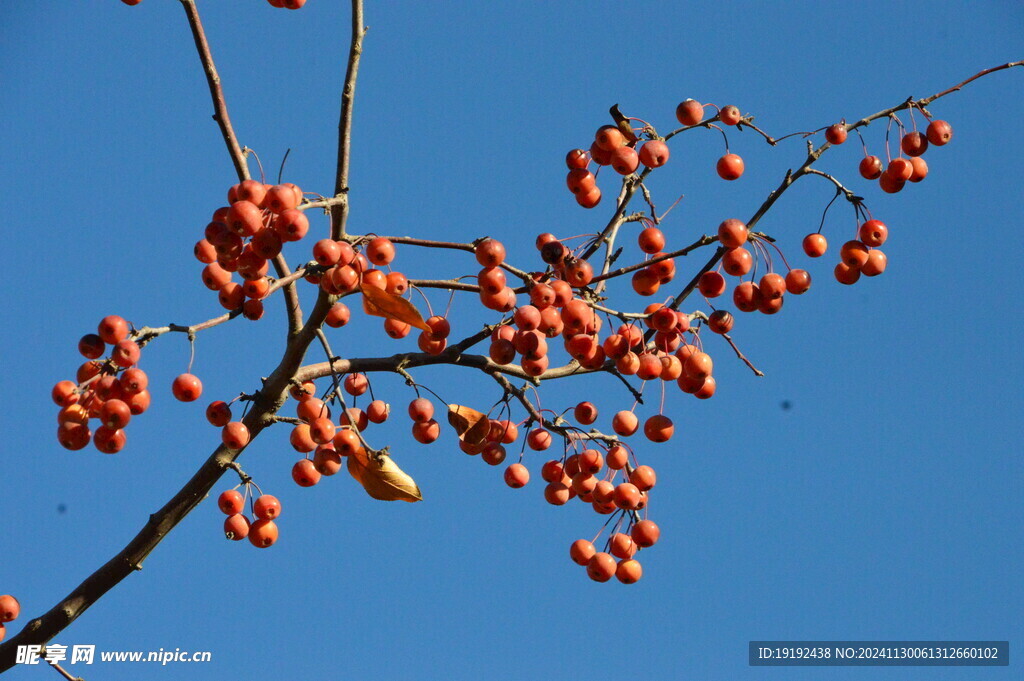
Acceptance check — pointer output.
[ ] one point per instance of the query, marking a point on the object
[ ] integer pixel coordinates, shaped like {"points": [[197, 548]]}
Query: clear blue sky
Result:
{"points": [[885, 504]]}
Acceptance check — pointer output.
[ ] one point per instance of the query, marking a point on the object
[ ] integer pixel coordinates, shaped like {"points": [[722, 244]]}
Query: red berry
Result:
{"points": [[236, 527], [836, 134], [690, 112], [92, 346], [629, 571], [235, 435], [815, 245], [914, 144], [730, 167], [875, 264], [304, 473], [624, 160], [231, 502], [9, 608], [263, 533], [730, 115], [654, 153], [711, 284], [601, 567], [732, 233], [516, 476], [645, 533], [873, 233], [581, 551], [939, 132], [870, 167], [798, 281], [187, 388], [112, 329], [659, 428], [625, 423], [920, 169], [266, 507], [576, 158]]}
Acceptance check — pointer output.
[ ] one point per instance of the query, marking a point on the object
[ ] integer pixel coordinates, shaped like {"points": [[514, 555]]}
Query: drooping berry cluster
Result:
{"points": [[243, 237], [261, 531], [109, 390]]}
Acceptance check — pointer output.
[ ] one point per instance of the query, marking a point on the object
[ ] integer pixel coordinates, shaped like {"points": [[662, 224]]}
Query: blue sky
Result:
{"points": [[884, 504]]}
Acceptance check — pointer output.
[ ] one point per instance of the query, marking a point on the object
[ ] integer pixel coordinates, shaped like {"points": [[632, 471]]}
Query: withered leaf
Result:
{"points": [[470, 425], [380, 303], [623, 124], [383, 479]]}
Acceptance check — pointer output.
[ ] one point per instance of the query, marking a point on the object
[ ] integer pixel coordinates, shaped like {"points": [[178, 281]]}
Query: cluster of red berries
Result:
{"points": [[244, 236], [616, 146], [611, 147], [317, 433], [265, 508], [111, 390], [857, 256], [894, 176], [9, 611], [602, 566], [765, 296]]}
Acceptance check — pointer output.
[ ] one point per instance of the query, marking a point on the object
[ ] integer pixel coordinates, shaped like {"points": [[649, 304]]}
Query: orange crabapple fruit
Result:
{"points": [[645, 533], [643, 477], [263, 533], [870, 167], [875, 264], [112, 329], [266, 507], [721, 321], [581, 551], [873, 233], [625, 423], [327, 460], [426, 432], [845, 274], [730, 167], [622, 546], [651, 240], [490, 253], [730, 115], [538, 439], [914, 144], [690, 112], [732, 233], [231, 502], [585, 413], [629, 571], [854, 254], [658, 428], [187, 388], [654, 153], [305, 474], [516, 476], [380, 251], [711, 284], [236, 527], [576, 158], [939, 132], [815, 245], [920, 169], [798, 281], [836, 133], [91, 346], [601, 567]]}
